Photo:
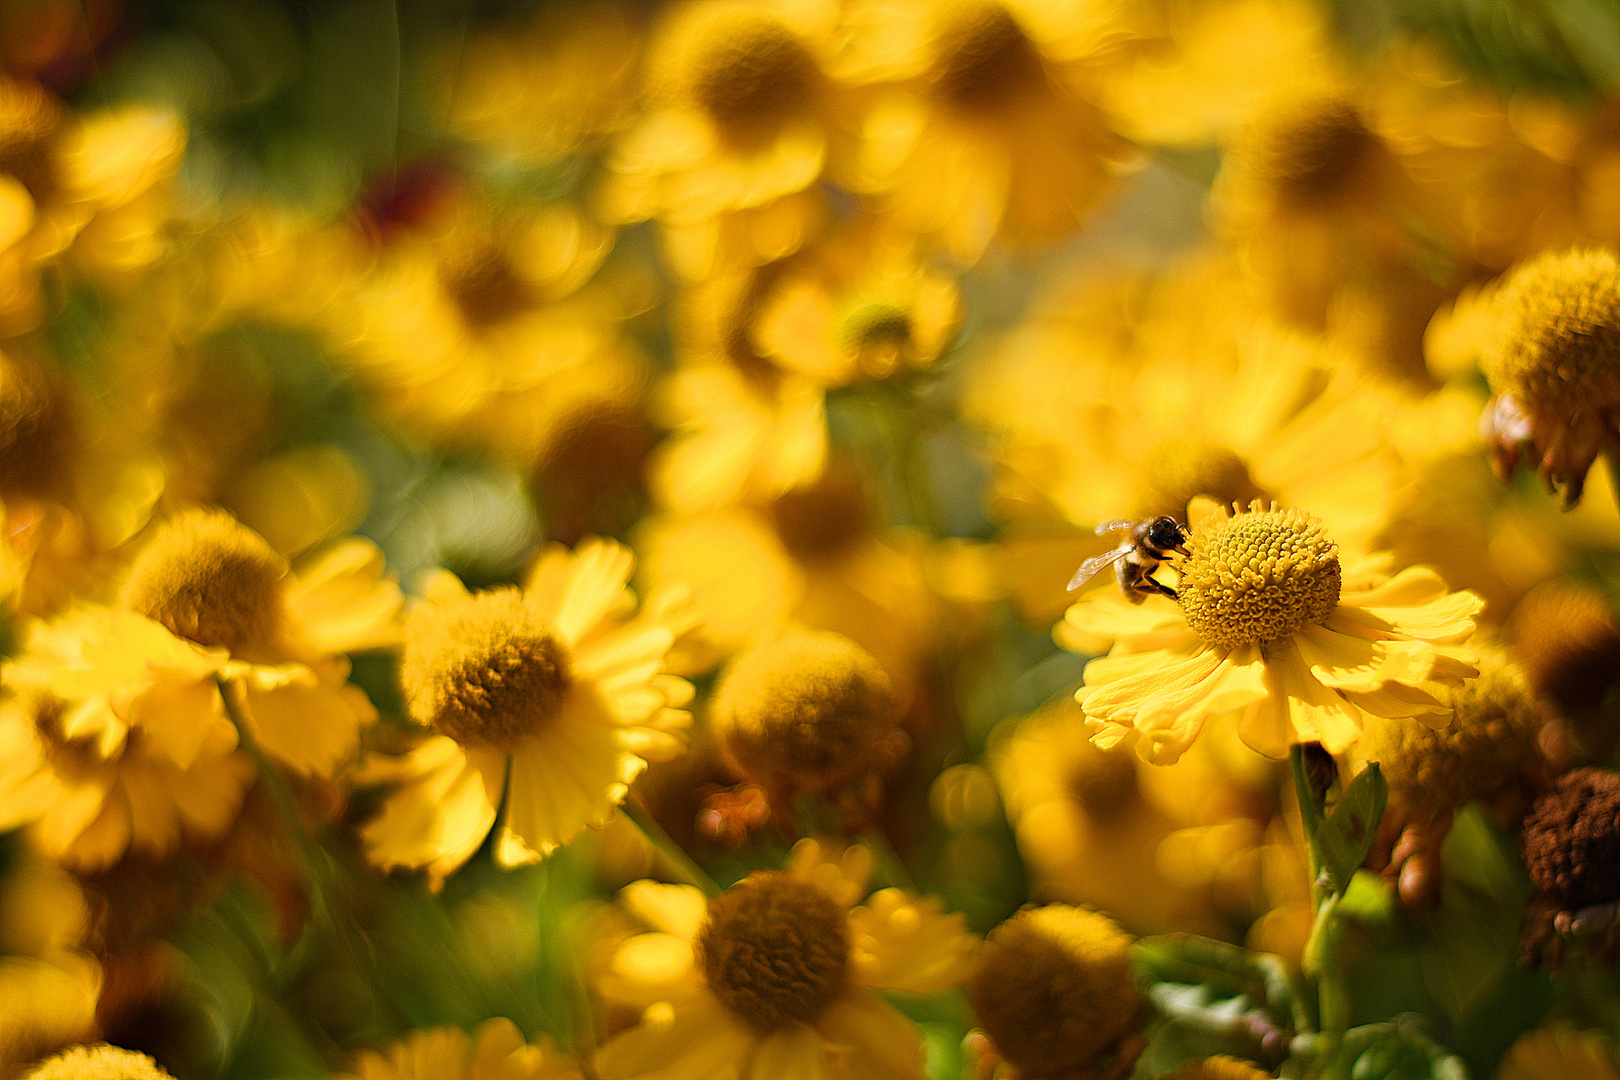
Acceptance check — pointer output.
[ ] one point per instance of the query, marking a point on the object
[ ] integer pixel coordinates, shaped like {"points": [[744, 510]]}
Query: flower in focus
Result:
{"points": [[981, 126], [552, 698], [1054, 992], [496, 1051], [1270, 625], [99, 1060], [1128, 400], [1553, 361], [207, 578], [48, 987], [776, 975]]}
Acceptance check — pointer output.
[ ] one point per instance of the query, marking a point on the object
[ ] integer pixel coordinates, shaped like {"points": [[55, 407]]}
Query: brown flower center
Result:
{"points": [[751, 73], [486, 672], [775, 949], [982, 57], [1174, 470]]}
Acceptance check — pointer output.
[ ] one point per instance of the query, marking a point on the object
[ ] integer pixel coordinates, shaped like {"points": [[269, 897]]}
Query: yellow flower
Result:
{"points": [[115, 739], [206, 577], [1160, 848], [1200, 71], [806, 711], [552, 698], [467, 321], [864, 307], [1054, 992], [776, 975], [1557, 1051], [78, 475], [1269, 624], [1125, 401], [737, 133], [539, 89], [98, 1061], [48, 987], [1553, 361], [496, 1051], [981, 127]]}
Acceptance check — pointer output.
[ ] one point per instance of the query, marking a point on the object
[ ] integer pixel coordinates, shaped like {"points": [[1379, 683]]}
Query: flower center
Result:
{"points": [[803, 709], [1054, 990], [878, 335], [209, 578], [98, 1062], [484, 285], [1312, 152], [775, 949], [1103, 782], [1175, 470], [1258, 577], [36, 430], [486, 672], [823, 519], [982, 56], [751, 72], [1556, 336]]}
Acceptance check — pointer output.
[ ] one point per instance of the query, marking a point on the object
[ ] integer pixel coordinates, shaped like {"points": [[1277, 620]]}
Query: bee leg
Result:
{"points": [[1146, 586]]}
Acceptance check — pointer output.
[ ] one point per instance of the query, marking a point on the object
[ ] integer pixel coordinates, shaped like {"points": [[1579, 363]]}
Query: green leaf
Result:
{"points": [[1347, 834], [1214, 998], [1400, 1049]]}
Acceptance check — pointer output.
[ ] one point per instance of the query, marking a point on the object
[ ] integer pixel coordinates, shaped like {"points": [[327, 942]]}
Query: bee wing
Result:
{"points": [[1112, 526], [1092, 566]]}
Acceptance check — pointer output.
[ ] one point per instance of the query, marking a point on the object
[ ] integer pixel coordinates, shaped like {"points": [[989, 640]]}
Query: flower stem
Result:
{"points": [[679, 861], [1320, 960]]}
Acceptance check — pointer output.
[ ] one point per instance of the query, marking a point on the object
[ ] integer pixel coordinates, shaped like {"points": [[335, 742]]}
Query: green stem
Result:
{"points": [[317, 870], [679, 861], [1320, 960]]}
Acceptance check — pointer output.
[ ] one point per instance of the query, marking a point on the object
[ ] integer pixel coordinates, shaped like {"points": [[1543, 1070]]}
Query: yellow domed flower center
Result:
{"points": [[98, 1062], [877, 334], [1555, 343], [982, 56], [1054, 991], [1312, 151], [749, 71], [775, 949], [486, 672], [1258, 577], [1174, 470], [209, 578], [803, 709]]}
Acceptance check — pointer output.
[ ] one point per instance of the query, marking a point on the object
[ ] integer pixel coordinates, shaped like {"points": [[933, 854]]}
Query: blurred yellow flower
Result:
{"points": [[739, 126], [1557, 1051], [550, 700], [709, 974], [980, 125], [534, 90], [48, 987], [495, 1051], [115, 739], [857, 307], [1268, 623], [206, 577]]}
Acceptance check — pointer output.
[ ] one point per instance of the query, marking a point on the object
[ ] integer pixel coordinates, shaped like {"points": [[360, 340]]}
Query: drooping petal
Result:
{"points": [[910, 943], [1167, 703], [701, 1040]]}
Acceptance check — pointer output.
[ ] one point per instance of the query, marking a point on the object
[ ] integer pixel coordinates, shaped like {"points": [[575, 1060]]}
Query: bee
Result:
{"points": [[1147, 543]]}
